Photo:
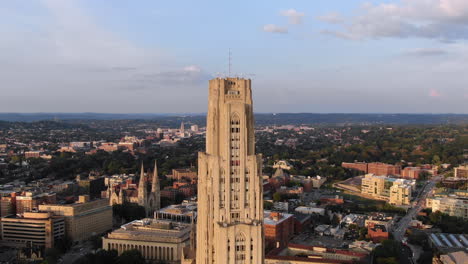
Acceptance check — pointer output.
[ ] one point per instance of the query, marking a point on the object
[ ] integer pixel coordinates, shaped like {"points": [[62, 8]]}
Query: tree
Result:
{"points": [[106, 257], [52, 255], [132, 256], [267, 205], [424, 175], [335, 220], [277, 197]]}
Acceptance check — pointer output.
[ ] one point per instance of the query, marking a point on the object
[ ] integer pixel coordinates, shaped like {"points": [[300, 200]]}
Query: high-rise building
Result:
{"points": [[230, 196]]}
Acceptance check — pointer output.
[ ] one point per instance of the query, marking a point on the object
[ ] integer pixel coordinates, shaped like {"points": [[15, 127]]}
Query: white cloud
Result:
{"points": [[294, 16], [426, 52], [332, 18], [68, 62], [192, 68], [435, 19], [275, 29]]}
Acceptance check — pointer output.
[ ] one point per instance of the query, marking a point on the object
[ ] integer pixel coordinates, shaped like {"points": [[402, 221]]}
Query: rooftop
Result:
{"points": [[275, 218], [153, 230]]}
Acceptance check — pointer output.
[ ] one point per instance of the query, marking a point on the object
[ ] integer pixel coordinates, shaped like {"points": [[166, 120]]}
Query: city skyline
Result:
{"points": [[305, 56]]}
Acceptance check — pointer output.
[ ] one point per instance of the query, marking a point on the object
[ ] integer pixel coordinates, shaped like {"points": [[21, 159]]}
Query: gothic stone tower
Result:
{"points": [[230, 195]]}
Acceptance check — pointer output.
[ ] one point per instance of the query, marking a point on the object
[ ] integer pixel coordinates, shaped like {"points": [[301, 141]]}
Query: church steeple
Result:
{"points": [[142, 190], [155, 180]]}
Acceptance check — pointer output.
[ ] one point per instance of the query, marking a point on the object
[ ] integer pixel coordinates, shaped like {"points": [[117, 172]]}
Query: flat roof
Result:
{"points": [[267, 220]]}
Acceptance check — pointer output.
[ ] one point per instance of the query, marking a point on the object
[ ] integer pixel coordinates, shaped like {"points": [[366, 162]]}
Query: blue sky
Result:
{"points": [[407, 56]]}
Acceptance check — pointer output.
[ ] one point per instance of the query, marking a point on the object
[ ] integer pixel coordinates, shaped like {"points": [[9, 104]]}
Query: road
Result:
{"points": [[402, 225], [75, 253]]}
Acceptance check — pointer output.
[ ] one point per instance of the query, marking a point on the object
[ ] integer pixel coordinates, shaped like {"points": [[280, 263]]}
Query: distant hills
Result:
{"points": [[261, 118]]}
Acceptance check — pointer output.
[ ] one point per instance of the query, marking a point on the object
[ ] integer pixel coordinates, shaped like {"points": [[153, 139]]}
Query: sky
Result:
{"points": [[154, 56]]}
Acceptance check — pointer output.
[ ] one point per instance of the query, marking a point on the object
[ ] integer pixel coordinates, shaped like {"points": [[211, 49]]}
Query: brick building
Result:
{"points": [[379, 168], [377, 233], [360, 166], [411, 172], [376, 168], [278, 228]]}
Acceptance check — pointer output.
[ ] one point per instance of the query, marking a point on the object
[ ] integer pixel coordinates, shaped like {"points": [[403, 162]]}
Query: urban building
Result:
{"points": [[461, 172], [308, 210], [360, 166], [32, 154], [379, 168], [379, 219], [41, 229], [400, 193], [302, 254], [279, 228], [445, 243], [453, 206], [157, 240], [184, 212], [331, 199], [179, 174], [376, 168], [93, 184], [84, 218], [27, 201], [395, 191], [377, 233], [411, 172], [230, 211], [311, 183], [458, 257], [7, 203]]}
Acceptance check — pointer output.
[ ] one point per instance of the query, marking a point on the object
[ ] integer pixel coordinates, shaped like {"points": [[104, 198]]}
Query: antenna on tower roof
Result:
{"points": [[229, 63]]}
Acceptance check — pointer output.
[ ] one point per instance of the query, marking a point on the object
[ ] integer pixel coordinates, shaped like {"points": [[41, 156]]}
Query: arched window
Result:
{"points": [[240, 248]]}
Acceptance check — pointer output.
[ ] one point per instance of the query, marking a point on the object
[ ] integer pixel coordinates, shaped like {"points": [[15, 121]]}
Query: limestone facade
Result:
{"points": [[230, 195], [157, 240]]}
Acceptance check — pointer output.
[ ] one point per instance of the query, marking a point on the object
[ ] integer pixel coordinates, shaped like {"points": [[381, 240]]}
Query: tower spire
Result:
{"points": [[142, 187], [229, 63], [155, 181]]}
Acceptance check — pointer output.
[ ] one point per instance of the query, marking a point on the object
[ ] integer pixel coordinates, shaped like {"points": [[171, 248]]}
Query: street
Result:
{"points": [[402, 225], [76, 252]]}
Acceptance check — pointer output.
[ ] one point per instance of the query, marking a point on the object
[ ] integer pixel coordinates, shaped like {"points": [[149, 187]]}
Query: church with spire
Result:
{"points": [[143, 194]]}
